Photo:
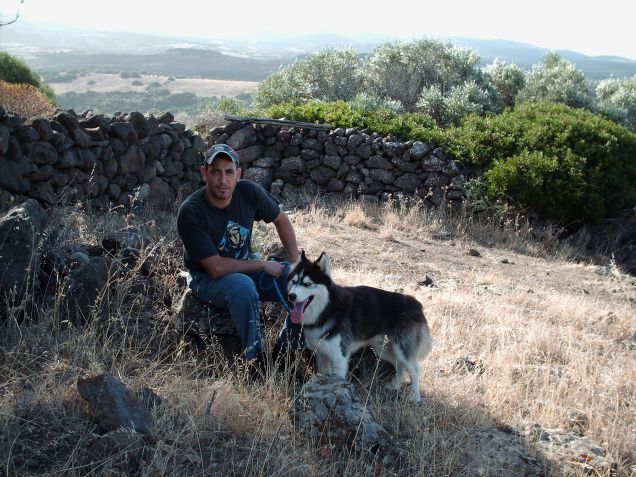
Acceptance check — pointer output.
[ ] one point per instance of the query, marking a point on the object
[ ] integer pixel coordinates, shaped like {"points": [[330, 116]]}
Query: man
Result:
{"points": [[215, 226]]}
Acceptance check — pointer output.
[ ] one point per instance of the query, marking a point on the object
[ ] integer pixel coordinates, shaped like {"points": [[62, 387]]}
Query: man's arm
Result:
{"points": [[286, 234], [217, 266]]}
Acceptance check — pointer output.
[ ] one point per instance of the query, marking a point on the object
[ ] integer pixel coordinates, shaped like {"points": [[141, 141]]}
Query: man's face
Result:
{"points": [[221, 177]]}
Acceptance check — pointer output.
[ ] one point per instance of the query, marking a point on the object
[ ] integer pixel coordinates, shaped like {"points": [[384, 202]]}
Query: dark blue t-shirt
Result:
{"points": [[206, 230]]}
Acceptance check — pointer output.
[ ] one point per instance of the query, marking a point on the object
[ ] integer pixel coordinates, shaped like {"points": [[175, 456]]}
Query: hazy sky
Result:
{"points": [[594, 28]]}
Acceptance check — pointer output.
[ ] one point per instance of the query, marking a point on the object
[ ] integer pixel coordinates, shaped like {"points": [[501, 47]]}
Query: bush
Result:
{"points": [[24, 99], [507, 79], [566, 163], [16, 71], [559, 81], [345, 115], [401, 71], [329, 75], [617, 99]]}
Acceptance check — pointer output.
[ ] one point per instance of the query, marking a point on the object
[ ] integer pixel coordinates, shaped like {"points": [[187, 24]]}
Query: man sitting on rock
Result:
{"points": [[215, 226]]}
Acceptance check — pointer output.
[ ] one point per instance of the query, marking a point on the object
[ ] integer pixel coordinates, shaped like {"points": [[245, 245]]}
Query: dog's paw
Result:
{"points": [[414, 399]]}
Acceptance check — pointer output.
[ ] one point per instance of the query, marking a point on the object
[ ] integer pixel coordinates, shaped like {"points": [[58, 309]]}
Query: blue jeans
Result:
{"points": [[240, 294]]}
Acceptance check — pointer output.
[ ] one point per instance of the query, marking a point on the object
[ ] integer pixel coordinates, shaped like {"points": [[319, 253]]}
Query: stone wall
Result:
{"points": [[109, 160], [287, 159], [116, 160]]}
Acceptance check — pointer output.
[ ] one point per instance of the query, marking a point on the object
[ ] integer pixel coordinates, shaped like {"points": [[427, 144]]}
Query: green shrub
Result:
{"points": [[566, 163], [16, 71], [345, 115]]}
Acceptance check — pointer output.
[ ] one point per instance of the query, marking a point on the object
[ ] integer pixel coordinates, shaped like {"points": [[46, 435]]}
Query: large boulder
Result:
{"points": [[113, 405], [83, 287], [330, 409], [20, 232]]}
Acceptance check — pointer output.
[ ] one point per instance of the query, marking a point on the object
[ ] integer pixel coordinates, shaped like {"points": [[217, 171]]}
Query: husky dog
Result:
{"points": [[337, 321]]}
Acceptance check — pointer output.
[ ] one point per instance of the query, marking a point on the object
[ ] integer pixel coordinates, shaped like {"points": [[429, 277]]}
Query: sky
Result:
{"points": [[589, 27]]}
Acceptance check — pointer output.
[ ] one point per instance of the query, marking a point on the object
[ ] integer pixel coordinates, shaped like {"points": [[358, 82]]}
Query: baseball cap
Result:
{"points": [[224, 149]]}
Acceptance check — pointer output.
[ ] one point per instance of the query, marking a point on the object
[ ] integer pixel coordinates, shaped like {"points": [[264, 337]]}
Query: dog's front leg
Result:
{"points": [[323, 363], [340, 366]]}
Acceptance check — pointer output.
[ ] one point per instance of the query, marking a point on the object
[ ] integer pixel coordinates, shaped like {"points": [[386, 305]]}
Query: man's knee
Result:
{"points": [[243, 288]]}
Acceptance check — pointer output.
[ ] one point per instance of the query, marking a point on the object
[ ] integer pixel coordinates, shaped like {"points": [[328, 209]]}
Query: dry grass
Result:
{"points": [[24, 100], [548, 336]]}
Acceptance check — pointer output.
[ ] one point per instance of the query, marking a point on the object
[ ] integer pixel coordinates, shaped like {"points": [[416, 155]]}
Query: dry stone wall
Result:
{"points": [[117, 160], [290, 159], [109, 160]]}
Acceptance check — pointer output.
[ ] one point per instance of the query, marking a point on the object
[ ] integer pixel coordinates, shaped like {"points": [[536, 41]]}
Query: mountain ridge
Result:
{"points": [[58, 49]]}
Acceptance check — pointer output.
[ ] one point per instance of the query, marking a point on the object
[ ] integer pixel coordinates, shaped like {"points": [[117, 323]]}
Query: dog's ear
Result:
{"points": [[323, 263]]}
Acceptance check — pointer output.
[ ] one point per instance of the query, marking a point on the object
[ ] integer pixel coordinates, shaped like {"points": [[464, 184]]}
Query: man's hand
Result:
{"points": [[273, 268]]}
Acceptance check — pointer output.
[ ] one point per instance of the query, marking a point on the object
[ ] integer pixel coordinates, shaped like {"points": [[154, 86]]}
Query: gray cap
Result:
{"points": [[223, 150]]}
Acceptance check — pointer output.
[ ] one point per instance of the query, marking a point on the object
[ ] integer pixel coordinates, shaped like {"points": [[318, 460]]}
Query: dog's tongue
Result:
{"points": [[296, 314]]}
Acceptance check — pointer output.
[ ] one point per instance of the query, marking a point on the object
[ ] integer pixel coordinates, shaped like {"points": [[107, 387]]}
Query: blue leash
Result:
{"points": [[280, 296]]}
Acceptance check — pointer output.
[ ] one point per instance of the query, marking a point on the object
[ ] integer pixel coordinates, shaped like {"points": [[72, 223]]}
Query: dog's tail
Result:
{"points": [[425, 342]]}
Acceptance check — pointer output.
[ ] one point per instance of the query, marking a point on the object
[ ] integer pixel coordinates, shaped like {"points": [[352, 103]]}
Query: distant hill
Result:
{"points": [[244, 58]]}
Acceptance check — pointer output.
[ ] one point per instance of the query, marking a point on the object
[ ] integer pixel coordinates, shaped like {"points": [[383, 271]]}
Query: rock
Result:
{"points": [[124, 131], [330, 410], [378, 162], [500, 450], [322, 175], [133, 160], [150, 398], [43, 128], [333, 161], [67, 119], [20, 232], [114, 405], [249, 154], [140, 124], [13, 177], [81, 138], [131, 237], [202, 321], [83, 287], [408, 182], [161, 194], [123, 448], [262, 176], [427, 282], [571, 451], [432, 163], [473, 252], [419, 150], [244, 137]]}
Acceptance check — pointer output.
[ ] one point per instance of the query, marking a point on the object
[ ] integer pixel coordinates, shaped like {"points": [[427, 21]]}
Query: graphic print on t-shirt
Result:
{"points": [[233, 243]]}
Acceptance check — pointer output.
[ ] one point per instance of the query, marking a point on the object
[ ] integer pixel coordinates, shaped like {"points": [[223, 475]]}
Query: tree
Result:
{"points": [[617, 100], [559, 81], [402, 71], [462, 99], [329, 75], [507, 79]]}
